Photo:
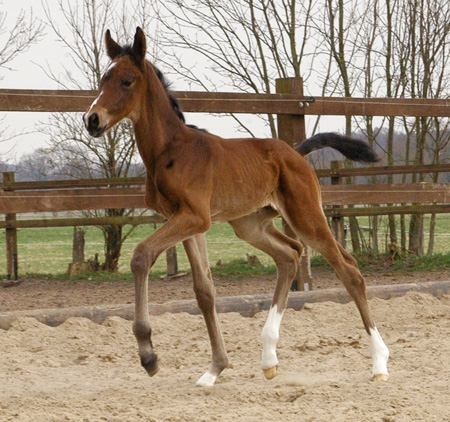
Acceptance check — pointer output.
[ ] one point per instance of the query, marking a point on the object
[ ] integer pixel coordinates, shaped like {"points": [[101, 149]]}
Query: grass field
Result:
{"points": [[49, 251]]}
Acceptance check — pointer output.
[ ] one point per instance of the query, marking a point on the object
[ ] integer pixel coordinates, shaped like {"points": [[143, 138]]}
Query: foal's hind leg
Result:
{"points": [[204, 290], [311, 226], [378, 350], [258, 230]]}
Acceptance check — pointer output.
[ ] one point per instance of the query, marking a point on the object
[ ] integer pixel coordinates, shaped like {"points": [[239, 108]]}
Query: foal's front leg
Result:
{"points": [[204, 291], [178, 228]]}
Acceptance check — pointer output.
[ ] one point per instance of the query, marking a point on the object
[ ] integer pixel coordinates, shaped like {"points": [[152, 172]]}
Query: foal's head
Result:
{"points": [[122, 87]]}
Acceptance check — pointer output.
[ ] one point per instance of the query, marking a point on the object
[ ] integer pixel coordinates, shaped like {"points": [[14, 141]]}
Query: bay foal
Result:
{"points": [[194, 178]]}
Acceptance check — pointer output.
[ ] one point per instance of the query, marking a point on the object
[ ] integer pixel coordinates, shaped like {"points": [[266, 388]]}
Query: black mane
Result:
{"points": [[166, 84], [127, 50], [173, 101]]}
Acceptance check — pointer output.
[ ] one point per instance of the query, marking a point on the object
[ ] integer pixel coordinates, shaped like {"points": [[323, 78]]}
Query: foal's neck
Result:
{"points": [[157, 124]]}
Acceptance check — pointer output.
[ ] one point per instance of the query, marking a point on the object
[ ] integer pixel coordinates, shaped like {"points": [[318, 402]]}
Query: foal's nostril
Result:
{"points": [[93, 121]]}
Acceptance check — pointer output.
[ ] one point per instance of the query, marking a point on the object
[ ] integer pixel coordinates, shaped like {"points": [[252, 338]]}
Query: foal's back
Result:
{"points": [[247, 174]]}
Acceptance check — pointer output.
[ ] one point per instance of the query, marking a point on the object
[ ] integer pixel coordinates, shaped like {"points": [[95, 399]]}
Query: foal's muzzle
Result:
{"points": [[92, 123]]}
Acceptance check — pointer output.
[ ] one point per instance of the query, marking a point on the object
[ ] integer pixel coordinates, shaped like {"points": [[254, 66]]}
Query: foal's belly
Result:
{"points": [[226, 208]]}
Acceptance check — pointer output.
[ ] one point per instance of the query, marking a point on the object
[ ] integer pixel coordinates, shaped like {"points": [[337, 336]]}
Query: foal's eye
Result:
{"points": [[126, 83]]}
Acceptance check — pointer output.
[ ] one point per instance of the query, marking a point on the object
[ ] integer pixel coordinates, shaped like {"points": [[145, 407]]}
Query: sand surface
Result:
{"points": [[81, 371]]}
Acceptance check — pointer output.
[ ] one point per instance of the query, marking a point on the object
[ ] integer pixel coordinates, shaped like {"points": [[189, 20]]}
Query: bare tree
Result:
{"points": [[429, 77], [436, 60], [15, 38], [368, 42], [80, 28], [244, 45], [397, 50], [341, 26]]}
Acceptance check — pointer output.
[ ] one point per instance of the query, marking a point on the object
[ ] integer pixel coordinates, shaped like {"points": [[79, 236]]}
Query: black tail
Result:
{"points": [[353, 149]]}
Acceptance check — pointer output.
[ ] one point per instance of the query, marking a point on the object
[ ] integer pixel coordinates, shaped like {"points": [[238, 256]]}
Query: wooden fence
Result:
{"points": [[70, 195], [289, 104], [94, 194]]}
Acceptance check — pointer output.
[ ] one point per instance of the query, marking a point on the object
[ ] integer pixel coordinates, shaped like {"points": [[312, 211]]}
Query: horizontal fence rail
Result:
{"points": [[71, 200], [158, 219], [384, 170], [94, 194], [73, 184], [78, 221], [137, 181], [70, 195], [224, 102], [387, 210], [378, 194], [101, 198]]}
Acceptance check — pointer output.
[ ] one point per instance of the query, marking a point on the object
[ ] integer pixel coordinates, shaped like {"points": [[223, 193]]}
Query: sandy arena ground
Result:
{"points": [[81, 371], [45, 294]]}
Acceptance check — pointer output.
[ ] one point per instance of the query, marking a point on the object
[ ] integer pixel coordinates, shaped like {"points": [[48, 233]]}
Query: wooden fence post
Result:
{"points": [[172, 261], [11, 232], [337, 222], [292, 129], [78, 245]]}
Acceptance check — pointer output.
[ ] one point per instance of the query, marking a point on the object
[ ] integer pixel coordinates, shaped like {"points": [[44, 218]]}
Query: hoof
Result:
{"points": [[270, 373], [150, 364], [380, 377], [206, 380]]}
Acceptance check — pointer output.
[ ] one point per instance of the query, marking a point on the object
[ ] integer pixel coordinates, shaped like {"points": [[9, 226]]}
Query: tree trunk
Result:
{"points": [[403, 233], [432, 231], [416, 234], [404, 179], [353, 222], [390, 157], [113, 246], [416, 223], [374, 236]]}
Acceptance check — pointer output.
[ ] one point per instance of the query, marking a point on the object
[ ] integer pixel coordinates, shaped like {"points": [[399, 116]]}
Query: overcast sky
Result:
{"points": [[27, 74]]}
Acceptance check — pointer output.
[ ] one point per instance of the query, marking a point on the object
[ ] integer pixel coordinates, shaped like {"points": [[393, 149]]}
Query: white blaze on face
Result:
{"points": [[86, 116], [270, 335], [379, 352], [111, 66], [96, 101], [102, 113]]}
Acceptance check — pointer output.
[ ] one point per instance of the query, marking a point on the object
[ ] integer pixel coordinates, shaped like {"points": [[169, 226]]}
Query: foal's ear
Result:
{"points": [[112, 48], [139, 45]]}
